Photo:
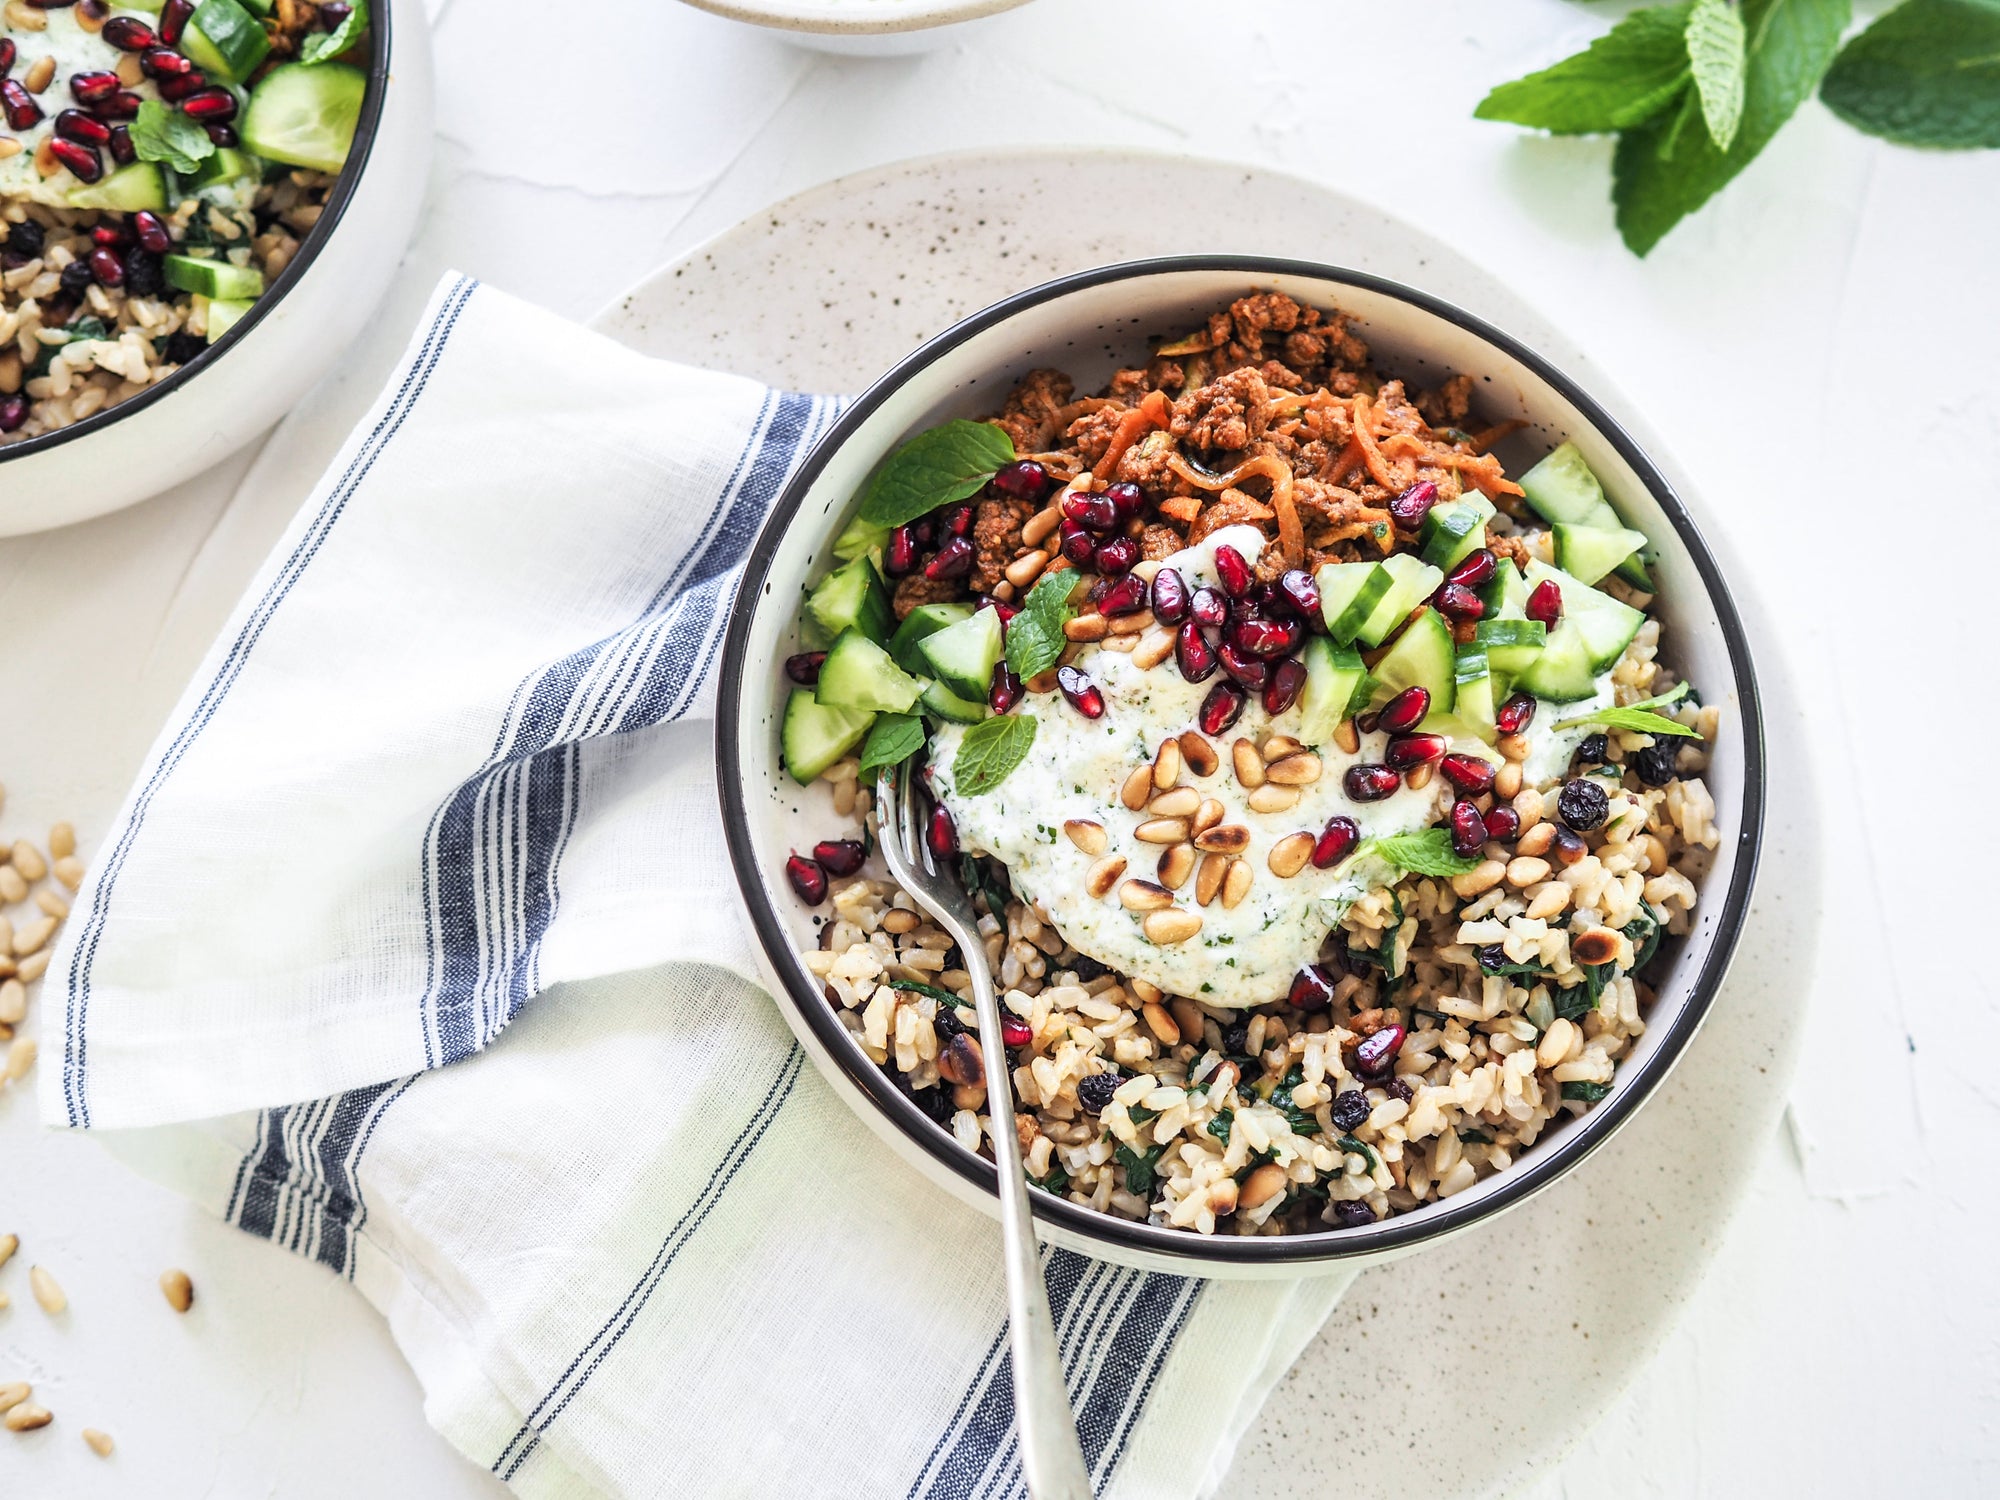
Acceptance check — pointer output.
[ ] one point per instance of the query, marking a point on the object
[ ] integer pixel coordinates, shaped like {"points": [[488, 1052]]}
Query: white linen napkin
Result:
{"points": [[450, 755]]}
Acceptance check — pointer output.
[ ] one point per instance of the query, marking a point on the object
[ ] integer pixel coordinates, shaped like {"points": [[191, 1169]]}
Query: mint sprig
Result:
{"points": [[1717, 49], [947, 463], [1638, 717], [327, 45], [1426, 852], [1925, 74], [1035, 636], [169, 137], [1624, 78], [990, 751], [892, 739]]}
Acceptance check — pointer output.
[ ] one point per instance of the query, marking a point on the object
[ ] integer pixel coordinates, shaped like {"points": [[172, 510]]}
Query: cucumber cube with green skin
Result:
{"points": [[226, 165], [1603, 624], [963, 656], [814, 735], [1505, 594], [1588, 553], [943, 703], [224, 40], [919, 624], [127, 190], [858, 673], [1334, 675], [1478, 694], [1561, 671], [224, 313], [1349, 594], [1562, 488], [851, 598], [1455, 530], [1424, 656], [1510, 644], [858, 538], [304, 116], [212, 278], [1414, 582]]}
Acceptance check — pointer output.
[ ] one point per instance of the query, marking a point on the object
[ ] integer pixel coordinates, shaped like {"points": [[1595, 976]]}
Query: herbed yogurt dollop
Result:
{"points": [[1242, 955]]}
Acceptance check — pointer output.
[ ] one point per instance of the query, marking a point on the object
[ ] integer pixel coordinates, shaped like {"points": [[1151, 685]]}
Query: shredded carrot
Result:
{"points": [[1483, 470], [1481, 441], [1182, 508], [1364, 434], [1151, 412], [1348, 464]]}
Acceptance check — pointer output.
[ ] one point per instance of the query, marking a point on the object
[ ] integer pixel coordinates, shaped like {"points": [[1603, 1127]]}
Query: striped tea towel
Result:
{"points": [[449, 757]]}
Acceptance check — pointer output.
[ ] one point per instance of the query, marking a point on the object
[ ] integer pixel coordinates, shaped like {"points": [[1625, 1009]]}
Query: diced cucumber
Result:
{"points": [[1605, 625], [858, 538], [212, 278], [1415, 581], [1349, 593], [1510, 644], [814, 736], [963, 655], [224, 40], [1477, 693], [1505, 594], [925, 620], [1424, 656], [304, 116], [1562, 488], [224, 313], [857, 673], [1334, 674], [1454, 530], [1562, 670], [127, 190], [1587, 553], [942, 701], [226, 165], [852, 598]]}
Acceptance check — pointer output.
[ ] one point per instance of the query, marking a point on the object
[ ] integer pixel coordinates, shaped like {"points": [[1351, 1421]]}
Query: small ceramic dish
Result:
{"points": [[1091, 324], [866, 28], [236, 388]]}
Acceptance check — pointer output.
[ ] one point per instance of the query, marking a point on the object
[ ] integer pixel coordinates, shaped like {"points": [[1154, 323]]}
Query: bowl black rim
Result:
{"points": [[1540, 1168], [379, 27]]}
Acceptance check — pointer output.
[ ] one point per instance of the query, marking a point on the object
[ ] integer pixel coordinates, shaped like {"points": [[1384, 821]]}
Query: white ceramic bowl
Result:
{"points": [[867, 28], [1090, 324], [257, 372]]}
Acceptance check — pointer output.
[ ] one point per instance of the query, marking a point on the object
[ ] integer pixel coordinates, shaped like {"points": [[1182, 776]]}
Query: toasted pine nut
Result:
{"points": [[28, 860], [1124, 645], [1419, 776], [1040, 524], [1248, 763], [1597, 946], [1206, 816], [1086, 628], [1229, 838], [27, 939], [898, 921], [178, 1289], [1162, 831], [1656, 854], [20, 1058], [1136, 623], [1273, 799], [1222, 1196], [51, 904], [1289, 855], [1527, 803], [1181, 802], [1554, 1045], [1086, 835], [1347, 736], [1144, 895], [24, 17], [1546, 900], [1176, 864], [1526, 870], [1154, 647], [9, 1243], [1163, 1025], [1536, 840], [12, 886], [46, 164], [32, 967], [48, 1292], [11, 146], [1236, 883], [14, 1392], [1169, 927], [1143, 989], [27, 1417], [128, 70], [41, 73], [98, 1442], [1198, 753], [1262, 1185], [1104, 874], [1473, 882], [13, 1002], [1208, 881], [1300, 768], [62, 840], [1138, 788], [1512, 746], [1026, 568], [1278, 746], [1167, 764], [1507, 780], [1042, 682]]}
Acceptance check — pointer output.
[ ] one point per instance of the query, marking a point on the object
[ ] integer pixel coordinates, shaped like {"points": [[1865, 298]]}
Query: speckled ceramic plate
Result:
{"points": [[1526, 1331]]}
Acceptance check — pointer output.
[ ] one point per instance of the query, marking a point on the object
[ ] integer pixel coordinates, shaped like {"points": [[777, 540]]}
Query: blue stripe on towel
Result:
{"points": [[76, 1102]]}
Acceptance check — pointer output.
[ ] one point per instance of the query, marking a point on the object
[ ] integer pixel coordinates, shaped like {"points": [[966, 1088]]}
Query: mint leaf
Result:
{"points": [[325, 46], [1427, 852], [1715, 43], [935, 468], [893, 739], [990, 751], [1624, 78], [1788, 45], [1925, 74], [1035, 635], [170, 137]]}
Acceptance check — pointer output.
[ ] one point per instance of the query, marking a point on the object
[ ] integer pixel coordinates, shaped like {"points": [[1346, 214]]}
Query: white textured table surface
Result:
{"points": [[1831, 314]]}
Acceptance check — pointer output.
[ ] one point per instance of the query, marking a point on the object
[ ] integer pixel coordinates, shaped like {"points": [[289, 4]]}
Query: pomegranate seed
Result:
{"points": [[1503, 824], [1222, 707], [88, 166], [8, 52], [923, 531], [901, 554], [1377, 1053], [1471, 774], [104, 263], [122, 150], [1025, 480], [1084, 695], [804, 668], [173, 90], [1410, 507], [1546, 603], [1407, 752], [1405, 711], [1126, 596], [1288, 680], [1091, 512], [952, 560], [22, 111], [1192, 652], [1478, 566], [1117, 555], [212, 105], [1367, 782], [1209, 607], [1232, 572], [807, 878], [1170, 597], [173, 20], [1297, 585], [1336, 842], [1245, 668], [1078, 545], [75, 125], [1006, 689], [1015, 1032], [108, 234], [13, 412], [164, 62], [958, 520], [123, 105], [1468, 828], [1312, 988], [1261, 638], [941, 836], [1514, 715], [1129, 499], [1456, 602], [128, 35], [224, 136], [91, 86], [151, 232], [840, 856]]}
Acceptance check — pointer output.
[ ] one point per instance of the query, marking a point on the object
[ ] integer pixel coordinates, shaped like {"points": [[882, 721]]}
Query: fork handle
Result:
{"points": [[1050, 1454]]}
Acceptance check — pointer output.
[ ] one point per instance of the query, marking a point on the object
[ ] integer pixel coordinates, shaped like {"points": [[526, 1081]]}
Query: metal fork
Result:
{"points": [[1050, 1453]]}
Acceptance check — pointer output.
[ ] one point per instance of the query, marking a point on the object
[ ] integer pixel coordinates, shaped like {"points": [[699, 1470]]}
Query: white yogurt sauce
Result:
{"points": [[1077, 766]]}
